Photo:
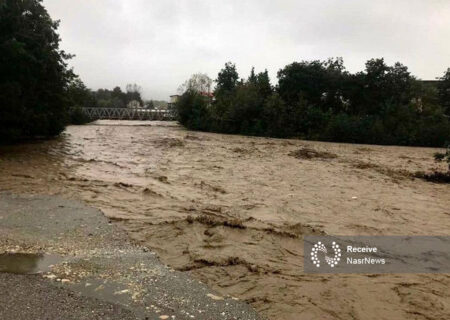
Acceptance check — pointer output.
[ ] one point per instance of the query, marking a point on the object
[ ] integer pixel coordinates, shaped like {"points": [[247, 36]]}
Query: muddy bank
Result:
{"points": [[232, 210]]}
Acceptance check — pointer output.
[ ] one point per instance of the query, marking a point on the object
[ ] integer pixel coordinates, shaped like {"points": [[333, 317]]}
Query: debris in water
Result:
{"points": [[214, 297], [122, 291], [310, 153]]}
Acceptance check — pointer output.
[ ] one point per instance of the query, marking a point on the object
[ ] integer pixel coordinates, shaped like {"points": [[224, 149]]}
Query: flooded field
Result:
{"points": [[232, 210]]}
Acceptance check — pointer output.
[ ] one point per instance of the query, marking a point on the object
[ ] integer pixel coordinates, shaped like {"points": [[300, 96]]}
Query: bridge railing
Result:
{"points": [[128, 114]]}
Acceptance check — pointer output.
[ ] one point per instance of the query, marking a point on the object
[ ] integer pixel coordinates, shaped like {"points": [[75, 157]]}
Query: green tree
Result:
{"points": [[252, 77], [444, 92], [319, 82], [33, 72], [382, 85], [246, 109], [192, 111], [78, 95], [227, 80], [119, 98], [263, 84], [199, 82], [133, 93]]}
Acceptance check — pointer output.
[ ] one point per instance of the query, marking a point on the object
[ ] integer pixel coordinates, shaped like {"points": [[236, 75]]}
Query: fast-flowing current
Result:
{"points": [[233, 210]]}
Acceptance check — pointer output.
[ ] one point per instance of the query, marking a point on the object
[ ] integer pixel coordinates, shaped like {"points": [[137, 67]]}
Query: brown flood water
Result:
{"points": [[232, 210]]}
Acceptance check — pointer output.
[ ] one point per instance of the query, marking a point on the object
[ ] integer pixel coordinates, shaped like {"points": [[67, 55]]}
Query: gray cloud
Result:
{"points": [[159, 44]]}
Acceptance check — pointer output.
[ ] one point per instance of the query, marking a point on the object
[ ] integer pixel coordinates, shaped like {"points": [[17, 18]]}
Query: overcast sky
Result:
{"points": [[159, 44]]}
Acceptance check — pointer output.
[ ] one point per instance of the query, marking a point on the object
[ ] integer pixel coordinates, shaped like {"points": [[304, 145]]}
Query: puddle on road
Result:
{"points": [[116, 293], [104, 290], [26, 263]]}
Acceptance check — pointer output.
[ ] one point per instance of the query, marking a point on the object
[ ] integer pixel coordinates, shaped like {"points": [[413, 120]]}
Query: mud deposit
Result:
{"points": [[232, 210]]}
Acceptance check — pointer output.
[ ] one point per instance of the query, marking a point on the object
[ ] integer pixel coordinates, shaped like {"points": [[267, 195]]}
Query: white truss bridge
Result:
{"points": [[127, 114]]}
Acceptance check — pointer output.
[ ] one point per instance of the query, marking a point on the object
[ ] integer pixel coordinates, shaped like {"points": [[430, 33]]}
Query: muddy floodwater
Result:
{"points": [[233, 210]]}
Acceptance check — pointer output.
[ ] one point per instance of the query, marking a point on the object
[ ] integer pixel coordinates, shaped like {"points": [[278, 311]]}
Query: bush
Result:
{"points": [[77, 116], [443, 157], [193, 112]]}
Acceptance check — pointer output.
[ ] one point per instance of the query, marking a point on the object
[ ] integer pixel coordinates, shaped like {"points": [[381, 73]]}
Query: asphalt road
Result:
{"points": [[32, 297], [100, 274]]}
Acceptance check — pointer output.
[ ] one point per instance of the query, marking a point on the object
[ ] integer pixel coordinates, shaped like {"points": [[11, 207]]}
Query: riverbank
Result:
{"points": [[95, 271], [232, 210]]}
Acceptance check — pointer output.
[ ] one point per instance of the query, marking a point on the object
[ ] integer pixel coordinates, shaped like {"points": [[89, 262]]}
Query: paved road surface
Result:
{"points": [[101, 274]]}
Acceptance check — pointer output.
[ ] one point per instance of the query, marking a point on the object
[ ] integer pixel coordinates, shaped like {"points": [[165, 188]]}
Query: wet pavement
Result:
{"points": [[33, 297], [61, 250], [27, 263]]}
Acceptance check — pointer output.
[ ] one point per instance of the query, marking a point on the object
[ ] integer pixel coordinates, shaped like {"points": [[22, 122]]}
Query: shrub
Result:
{"points": [[193, 112], [77, 116]]}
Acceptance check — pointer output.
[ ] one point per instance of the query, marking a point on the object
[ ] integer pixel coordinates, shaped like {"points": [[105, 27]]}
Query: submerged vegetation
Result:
{"points": [[438, 176], [320, 100]]}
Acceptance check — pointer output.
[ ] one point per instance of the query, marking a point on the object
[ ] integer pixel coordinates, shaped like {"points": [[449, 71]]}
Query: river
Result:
{"points": [[232, 210]]}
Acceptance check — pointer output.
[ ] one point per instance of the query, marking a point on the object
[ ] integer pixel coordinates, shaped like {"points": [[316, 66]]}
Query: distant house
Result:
{"points": [[207, 94], [133, 104], [174, 98]]}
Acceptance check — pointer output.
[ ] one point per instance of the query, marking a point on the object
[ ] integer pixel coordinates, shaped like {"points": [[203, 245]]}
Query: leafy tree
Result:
{"points": [[227, 80], [282, 120], [133, 94], [78, 97], [262, 82], [383, 84], [199, 82], [444, 92], [192, 111], [246, 109], [119, 98], [34, 75], [319, 82], [252, 77]]}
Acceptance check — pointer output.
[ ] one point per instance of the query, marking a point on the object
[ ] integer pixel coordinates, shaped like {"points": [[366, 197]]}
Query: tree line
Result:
{"points": [[39, 93], [80, 96], [321, 100]]}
